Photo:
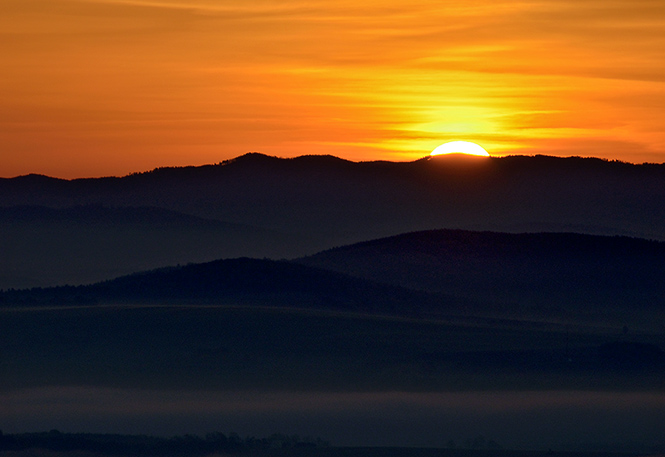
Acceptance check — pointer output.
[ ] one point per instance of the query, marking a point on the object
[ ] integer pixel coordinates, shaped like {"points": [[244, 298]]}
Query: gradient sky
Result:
{"points": [[109, 87]]}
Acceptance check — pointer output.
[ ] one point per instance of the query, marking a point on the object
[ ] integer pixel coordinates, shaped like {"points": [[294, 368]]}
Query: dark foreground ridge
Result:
{"points": [[58, 444], [143, 445]]}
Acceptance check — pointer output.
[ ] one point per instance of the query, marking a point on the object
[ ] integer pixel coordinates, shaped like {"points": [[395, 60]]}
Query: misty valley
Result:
{"points": [[387, 308]]}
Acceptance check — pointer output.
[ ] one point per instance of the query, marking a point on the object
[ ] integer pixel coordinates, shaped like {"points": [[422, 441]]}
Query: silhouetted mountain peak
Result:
{"points": [[30, 181], [251, 158]]}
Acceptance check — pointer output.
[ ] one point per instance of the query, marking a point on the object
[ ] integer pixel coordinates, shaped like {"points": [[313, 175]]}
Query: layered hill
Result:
{"points": [[563, 276], [310, 203], [548, 277], [242, 282], [424, 311]]}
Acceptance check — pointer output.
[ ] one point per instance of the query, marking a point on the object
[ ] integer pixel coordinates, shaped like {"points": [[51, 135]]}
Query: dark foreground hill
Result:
{"points": [[265, 342], [57, 444], [296, 207], [242, 282], [440, 308], [561, 276], [552, 277]]}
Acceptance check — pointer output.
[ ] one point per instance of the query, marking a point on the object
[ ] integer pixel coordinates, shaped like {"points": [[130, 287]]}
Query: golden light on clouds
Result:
{"points": [[97, 87]]}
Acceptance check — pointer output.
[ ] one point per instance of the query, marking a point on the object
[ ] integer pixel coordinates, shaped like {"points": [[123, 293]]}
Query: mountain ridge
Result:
{"points": [[310, 203], [253, 158]]}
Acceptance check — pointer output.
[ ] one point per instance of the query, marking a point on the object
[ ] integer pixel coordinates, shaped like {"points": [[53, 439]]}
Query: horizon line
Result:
{"points": [[269, 156]]}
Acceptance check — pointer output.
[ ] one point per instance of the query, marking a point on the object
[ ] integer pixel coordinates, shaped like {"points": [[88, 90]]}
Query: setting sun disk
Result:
{"points": [[460, 147]]}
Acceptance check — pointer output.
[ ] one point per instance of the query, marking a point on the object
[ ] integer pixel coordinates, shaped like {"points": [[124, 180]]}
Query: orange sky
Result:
{"points": [[109, 87]]}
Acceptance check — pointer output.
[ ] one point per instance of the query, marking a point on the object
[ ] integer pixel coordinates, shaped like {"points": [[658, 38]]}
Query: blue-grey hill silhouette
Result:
{"points": [[551, 277], [560, 275], [418, 311], [295, 207]]}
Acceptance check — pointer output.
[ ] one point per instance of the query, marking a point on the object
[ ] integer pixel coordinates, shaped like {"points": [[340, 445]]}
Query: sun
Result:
{"points": [[460, 147]]}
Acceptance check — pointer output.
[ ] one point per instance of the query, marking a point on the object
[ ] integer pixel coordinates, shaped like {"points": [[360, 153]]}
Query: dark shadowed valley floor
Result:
{"points": [[353, 379]]}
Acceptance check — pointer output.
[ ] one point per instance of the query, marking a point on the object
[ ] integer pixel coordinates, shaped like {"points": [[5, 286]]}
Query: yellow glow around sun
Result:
{"points": [[460, 147]]}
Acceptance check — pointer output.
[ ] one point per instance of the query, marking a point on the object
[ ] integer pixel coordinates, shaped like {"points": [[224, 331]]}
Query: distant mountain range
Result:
{"points": [[56, 231], [319, 275]]}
